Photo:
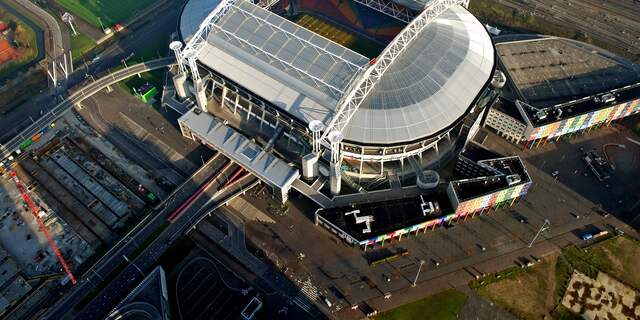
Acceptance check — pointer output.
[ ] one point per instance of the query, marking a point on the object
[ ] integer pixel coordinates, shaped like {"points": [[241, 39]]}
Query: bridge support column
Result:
{"points": [[201, 94], [335, 179], [335, 172], [310, 161], [180, 79], [109, 89], [310, 166], [224, 96], [180, 83]]}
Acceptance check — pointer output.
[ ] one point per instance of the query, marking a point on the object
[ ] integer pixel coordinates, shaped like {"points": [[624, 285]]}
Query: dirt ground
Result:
{"points": [[531, 294], [601, 298]]}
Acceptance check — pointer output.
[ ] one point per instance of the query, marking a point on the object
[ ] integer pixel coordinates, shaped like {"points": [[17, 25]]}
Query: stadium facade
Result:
{"points": [[327, 105]]}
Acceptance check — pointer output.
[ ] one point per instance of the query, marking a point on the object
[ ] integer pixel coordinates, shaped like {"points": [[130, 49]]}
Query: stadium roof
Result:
{"points": [[425, 90], [431, 85], [416, 5]]}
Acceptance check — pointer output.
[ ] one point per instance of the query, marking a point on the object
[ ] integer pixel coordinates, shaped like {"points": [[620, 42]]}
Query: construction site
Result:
{"points": [[74, 195]]}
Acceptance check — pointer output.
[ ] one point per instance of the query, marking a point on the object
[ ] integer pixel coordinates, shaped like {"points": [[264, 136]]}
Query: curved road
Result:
{"points": [[55, 45], [79, 96]]}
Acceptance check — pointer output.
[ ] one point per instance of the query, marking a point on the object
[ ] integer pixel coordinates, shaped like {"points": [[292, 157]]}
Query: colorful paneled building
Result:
{"points": [[561, 87], [484, 181]]}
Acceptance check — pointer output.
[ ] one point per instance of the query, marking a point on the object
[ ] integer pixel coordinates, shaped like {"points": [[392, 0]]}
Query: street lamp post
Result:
{"points": [[545, 226], [417, 274]]}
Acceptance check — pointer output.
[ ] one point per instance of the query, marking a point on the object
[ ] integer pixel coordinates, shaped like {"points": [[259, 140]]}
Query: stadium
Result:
{"points": [[357, 90]]}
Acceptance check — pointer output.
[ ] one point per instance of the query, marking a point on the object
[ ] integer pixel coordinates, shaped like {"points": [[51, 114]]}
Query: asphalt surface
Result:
{"points": [[131, 146], [205, 290], [133, 273], [129, 242], [146, 261], [330, 263]]}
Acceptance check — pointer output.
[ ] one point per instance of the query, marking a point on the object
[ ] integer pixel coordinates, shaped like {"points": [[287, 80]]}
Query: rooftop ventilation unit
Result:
{"points": [[541, 115], [366, 220], [429, 207], [513, 179], [608, 98]]}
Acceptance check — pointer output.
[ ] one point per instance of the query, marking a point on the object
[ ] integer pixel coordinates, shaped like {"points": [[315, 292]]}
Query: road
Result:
{"points": [[163, 21], [54, 44], [130, 242], [80, 95], [146, 261]]}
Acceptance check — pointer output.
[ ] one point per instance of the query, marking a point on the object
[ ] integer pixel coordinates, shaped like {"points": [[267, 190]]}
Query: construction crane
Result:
{"points": [[43, 228]]}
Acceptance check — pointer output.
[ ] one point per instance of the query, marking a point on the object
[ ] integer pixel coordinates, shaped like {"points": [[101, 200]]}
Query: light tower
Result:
{"points": [[180, 79], [335, 177], [198, 84], [68, 18], [310, 161]]}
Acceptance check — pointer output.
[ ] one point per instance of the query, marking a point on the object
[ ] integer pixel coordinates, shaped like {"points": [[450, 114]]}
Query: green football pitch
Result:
{"points": [[339, 35], [109, 12]]}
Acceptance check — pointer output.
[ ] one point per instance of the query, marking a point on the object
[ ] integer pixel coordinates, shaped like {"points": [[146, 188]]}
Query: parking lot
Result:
{"points": [[619, 195], [454, 255]]}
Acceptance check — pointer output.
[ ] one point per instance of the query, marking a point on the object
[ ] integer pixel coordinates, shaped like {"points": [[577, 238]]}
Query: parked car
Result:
{"points": [[521, 218], [586, 236]]}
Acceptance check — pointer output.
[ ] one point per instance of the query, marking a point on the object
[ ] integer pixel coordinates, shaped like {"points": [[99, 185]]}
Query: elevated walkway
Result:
{"points": [[208, 130], [313, 192]]}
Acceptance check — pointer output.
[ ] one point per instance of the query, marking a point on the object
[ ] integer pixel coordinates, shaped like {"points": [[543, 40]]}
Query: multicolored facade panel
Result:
{"points": [[465, 208], [584, 121], [490, 200]]}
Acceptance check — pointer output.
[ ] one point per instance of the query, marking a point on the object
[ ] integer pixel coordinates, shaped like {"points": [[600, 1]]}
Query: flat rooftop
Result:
{"points": [[549, 70], [476, 152], [148, 300], [387, 216], [626, 97], [502, 168]]}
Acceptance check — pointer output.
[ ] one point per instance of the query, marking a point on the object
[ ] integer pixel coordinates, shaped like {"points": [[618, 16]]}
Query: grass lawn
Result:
{"points": [[535, 292], [444, 305], [620, 258], [496, 13], [528, 294], [80, 44], [339, 35], [109, 11]]}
